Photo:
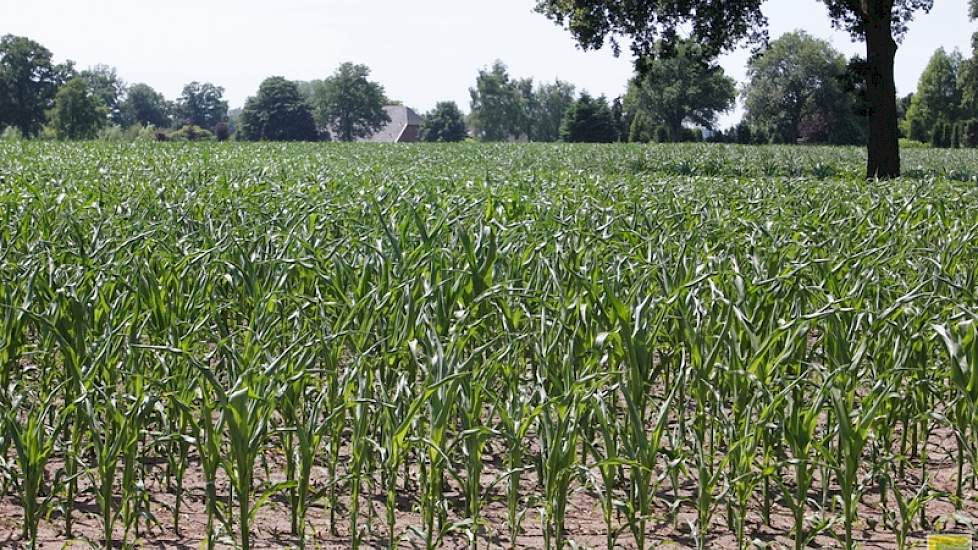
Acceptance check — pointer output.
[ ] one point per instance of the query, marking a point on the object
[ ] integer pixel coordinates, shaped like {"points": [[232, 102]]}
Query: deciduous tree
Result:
{"points": [[682, 86], [145, 106], [497, 106], [278, 112], [78, 112], [348, 104], [719, 26], [796, 90], [937, 100], [105, 83], [553, 99], [202, 104], [444, 123], [29, 80]]}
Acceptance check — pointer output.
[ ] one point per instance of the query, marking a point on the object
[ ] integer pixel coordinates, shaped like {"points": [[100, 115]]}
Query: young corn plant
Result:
{"points": [[33, 424], [854, 430]]}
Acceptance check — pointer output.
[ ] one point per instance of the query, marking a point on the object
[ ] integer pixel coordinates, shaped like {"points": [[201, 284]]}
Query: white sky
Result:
{"points": [[422, 52]]}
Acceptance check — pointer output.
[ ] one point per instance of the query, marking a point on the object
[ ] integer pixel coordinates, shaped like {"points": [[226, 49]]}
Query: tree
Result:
{"points": [[278, 112], [719, 26], [444, 123], [969, 133], [903, 105], [968, 71], [529, 108], [937, 100], [106, 84], [588, 120], [348, 104], [145, 106], [618, 116], [497, 105], [202, 104], [29, 80], [78, 112], [796, 90], [553, 99], [684, 86]]}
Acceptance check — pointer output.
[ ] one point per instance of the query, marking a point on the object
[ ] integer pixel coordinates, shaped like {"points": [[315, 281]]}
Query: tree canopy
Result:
{"points": [[349, 104], [684, 87], [105, 83], [202, 104], [505, 108], [797, 91], [145, 106], [79, 113], [588, 120], [937, 100], [29, 80], [444, 123], [553, 99], [720, 26], [278, 112], [497, 105]]}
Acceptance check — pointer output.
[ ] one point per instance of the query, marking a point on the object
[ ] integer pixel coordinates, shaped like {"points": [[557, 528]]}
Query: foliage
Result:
{"points": [[11, 133], [796, 92], [444, 123], [348, 105], [588, 120], [105, 83], [497, 105], [683, 87], [78, 113], [668, 332], [201, 104], [277, 113], [505, 109], [718, 26], [937, 100], [189, 132], [129, 134], [551, 100], [145, 106], [907, 143], [29, 81], [222, 132]]}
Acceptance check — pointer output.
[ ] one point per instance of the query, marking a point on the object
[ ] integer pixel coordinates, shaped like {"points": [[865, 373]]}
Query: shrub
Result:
{"points": [[662, 134], [640, 130], [112, 133], [222, 131], [907, 143], [11, 133], [191, 133]]}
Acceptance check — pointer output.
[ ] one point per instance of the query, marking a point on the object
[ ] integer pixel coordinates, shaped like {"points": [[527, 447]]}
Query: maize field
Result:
{"points": [[477, 346]]}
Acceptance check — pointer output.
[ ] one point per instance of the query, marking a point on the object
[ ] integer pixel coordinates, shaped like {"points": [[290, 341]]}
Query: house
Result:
{"points": [[404, 127]]}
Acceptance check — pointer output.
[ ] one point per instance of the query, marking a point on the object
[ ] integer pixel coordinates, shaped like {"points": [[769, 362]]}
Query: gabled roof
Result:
{"points": [[401, 118]]}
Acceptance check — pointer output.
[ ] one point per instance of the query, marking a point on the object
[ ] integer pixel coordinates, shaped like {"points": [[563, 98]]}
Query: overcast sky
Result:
{"points": [[422, 52]]}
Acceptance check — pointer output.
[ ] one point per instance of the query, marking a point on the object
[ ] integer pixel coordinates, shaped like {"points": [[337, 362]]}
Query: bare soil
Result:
{"points": [[585, 525]]}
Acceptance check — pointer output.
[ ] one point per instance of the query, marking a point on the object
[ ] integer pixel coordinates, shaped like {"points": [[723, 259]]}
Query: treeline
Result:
{"points": [[944, 109], [799, 90]]}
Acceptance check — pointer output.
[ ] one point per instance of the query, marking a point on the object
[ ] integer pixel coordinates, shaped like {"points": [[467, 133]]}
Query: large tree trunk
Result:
{"points": [[884, 142]]}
